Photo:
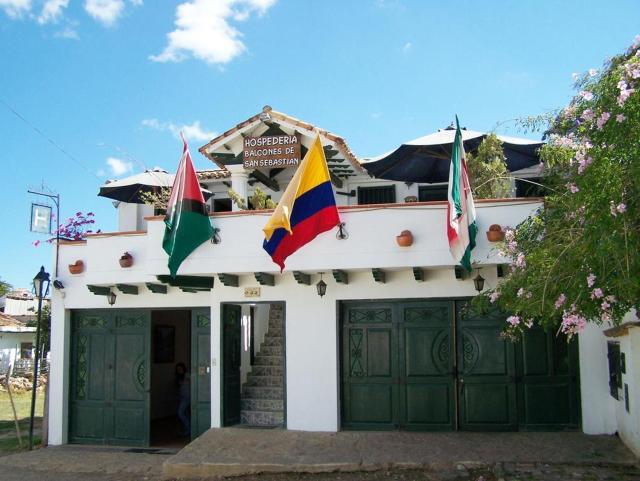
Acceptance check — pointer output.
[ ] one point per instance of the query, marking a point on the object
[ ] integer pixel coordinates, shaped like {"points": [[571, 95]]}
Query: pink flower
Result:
{"points": [[520, 292], [605, 316], [593, 72], [513, 320], [509, 234], [588, 115], [520, 260], [583, 164], [613, 209], [597, 293], [572, 323], [620, 118], [611, 298], [605, 305], [529, 323], [573, 188], [604, 117], [621, 208], [560, 301], [588, 96], [494, 296], [591, 279]]}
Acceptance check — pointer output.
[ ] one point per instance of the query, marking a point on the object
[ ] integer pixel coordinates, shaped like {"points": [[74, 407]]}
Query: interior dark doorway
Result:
{"points": [[253, 364], [170, 378]]}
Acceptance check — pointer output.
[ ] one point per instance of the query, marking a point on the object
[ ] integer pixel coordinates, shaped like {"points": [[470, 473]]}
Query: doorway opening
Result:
{"points": [[170, 378], [253, 364]]}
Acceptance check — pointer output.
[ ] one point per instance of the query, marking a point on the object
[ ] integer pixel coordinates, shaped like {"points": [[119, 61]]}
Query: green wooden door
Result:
{"points": [[427, 369], [109, 398], [486, 372], [548, 387], [231, 348], [370, 367], [200, 371]]}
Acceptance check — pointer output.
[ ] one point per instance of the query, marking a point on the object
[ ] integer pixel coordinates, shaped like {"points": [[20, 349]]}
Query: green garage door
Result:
{"points": [[435, 365], [109, 386]]}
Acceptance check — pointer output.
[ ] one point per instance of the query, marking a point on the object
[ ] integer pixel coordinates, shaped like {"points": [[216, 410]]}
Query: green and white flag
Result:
{"points": [[461, 212]]}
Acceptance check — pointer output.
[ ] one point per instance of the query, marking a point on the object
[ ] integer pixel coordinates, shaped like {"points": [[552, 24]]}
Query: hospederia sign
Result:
{"points": [[271, 151]]}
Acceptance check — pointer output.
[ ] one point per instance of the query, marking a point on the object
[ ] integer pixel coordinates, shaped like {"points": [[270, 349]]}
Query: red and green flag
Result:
{"points": [[186, 223], [461, 212]]}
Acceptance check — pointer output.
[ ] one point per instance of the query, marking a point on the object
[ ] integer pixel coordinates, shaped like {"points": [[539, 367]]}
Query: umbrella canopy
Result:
{"points": [[129, 189], [426, 159]]}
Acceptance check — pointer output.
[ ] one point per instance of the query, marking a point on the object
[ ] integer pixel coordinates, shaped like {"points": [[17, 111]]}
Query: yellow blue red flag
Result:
{"points": [[307, 208]]}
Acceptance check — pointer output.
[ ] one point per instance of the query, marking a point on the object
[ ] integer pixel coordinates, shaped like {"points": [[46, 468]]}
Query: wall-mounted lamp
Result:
{"points": [[215, 236], [111, 298], [58, 285], [321, 286], [342, 233], [478, 282]]}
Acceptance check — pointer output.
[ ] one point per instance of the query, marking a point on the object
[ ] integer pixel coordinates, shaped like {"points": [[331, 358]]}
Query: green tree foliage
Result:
{"points": [[4, 287], [488, 170], [259, 200], [576, 260]]}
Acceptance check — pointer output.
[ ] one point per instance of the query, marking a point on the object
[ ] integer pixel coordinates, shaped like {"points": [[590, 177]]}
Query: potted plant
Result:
{"points": [[126, 260], [495, 233], [77, 267], [405, 239]]}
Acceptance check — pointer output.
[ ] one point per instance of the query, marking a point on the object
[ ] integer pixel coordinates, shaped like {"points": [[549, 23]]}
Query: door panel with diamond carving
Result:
{"points": [[370, 367], [109, 385]]}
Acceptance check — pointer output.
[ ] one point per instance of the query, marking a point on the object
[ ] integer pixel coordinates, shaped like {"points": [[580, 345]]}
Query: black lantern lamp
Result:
{"points": [[41, 285], [111, 298], [321, 286], [478, 282]]}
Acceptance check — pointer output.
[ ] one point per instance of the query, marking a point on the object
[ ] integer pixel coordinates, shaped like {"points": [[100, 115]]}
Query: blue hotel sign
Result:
{"points": [[41, 218]]}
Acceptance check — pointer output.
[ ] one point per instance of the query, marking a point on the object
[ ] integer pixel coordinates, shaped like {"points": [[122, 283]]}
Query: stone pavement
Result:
{"points": [[263, 455], [237, 451]]}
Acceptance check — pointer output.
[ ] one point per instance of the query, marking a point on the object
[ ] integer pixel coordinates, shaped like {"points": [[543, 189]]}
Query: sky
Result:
{"points": [[92, 90]]}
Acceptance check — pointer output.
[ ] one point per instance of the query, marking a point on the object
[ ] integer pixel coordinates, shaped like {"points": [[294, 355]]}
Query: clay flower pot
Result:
{"points": [[405, 239], [126, 260], [495, 233], [77, 267]]}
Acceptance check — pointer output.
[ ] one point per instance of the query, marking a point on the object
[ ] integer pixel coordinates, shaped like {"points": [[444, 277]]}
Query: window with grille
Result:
{"points": [[615, 376], [385, 194], [427, 193]]}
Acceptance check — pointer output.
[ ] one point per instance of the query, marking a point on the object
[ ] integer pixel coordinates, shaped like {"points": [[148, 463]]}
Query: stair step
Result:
{"points": [[271, 351], [268, 360], [274, 332], [267, 371], [273, 323], [262, 404], [273, 341], [262, 418], [275, 381], [262, 392]]}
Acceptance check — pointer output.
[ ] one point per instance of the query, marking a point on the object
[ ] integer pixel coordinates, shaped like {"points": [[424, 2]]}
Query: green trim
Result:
{"points": [[128, 289], [341, 277], [228, 280], [378, 275], [302, 278], [418, 274], [192, 282], [157, 288], [99, 290], [265, 279]]}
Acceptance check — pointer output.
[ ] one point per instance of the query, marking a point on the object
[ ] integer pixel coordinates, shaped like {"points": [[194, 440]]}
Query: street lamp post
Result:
{"points": [[41, 285]]}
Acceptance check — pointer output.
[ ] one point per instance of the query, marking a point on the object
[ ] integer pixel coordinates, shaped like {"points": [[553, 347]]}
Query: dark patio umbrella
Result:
{"points": [[129, 189], [426, 159]]}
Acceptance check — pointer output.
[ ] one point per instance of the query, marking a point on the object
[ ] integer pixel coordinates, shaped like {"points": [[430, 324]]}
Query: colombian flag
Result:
{"points": [[307, 208]]}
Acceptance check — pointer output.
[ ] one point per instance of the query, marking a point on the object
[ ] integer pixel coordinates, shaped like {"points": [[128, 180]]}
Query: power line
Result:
{"points": [[48, 139]]}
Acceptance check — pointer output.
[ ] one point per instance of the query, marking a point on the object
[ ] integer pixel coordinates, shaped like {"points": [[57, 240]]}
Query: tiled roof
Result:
{"points": [[10, 321], [213, 174]]}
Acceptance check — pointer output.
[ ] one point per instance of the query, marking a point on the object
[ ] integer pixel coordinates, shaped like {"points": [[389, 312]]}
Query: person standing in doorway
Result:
{"points": [[184, 399]]}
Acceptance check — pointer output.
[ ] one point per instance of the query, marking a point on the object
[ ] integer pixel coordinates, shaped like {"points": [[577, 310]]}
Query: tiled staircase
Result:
{"points": [[263, 393]]}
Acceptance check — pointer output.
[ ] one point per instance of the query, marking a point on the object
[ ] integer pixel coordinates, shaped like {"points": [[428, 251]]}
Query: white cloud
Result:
{"points": [[119, 167], [68, 33], [52, 10], [107, 12], [203, 30], [407, 47], [193, 131], [15, 9]]}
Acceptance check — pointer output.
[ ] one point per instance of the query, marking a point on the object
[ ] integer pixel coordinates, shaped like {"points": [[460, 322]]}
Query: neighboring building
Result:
{"points": [[21, 304], [391, 345], [17, 341]]}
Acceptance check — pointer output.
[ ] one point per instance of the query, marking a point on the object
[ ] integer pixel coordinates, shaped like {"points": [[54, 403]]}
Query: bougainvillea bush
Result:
{"points": [[75, 228], [578, 259]]}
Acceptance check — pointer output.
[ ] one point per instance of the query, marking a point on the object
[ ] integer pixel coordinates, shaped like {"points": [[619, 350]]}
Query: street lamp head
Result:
{"points": [[111, 298], [41, 282], [321, 286], [478, 282]]}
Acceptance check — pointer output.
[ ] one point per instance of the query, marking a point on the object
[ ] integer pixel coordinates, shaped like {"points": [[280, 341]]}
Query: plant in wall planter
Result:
{"points": [[495, 233], [405, 239], [77, 267], [126, 260]]}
